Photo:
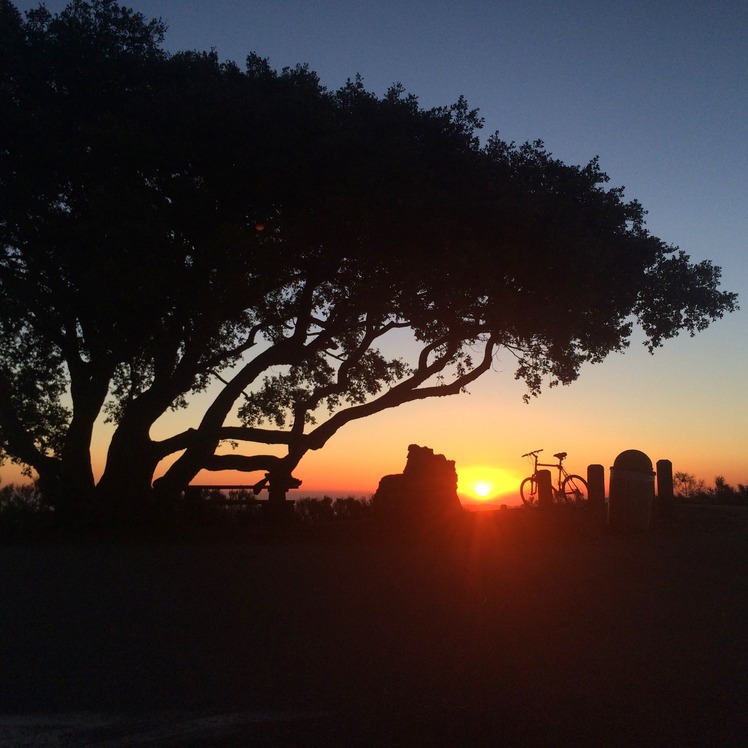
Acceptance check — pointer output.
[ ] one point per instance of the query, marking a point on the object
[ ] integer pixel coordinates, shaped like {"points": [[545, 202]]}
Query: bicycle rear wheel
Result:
{"points": [[528, 492], [575, 491]]}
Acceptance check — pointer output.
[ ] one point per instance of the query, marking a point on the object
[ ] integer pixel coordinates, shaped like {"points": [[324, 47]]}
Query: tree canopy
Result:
{"points": [[168, 221]]}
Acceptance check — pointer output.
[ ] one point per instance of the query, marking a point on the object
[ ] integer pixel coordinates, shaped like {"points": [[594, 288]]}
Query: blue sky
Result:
{"points": [[657, 90]]}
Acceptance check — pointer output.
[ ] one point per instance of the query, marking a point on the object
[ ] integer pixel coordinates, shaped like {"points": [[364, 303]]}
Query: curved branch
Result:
{"points": [[342, 381], [253, 434], [174, 443], [243, 463], [187, 438], [404, 392]]}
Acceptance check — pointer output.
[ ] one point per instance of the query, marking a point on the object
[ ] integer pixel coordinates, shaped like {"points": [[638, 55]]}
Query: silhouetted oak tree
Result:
{"points": [[168, 222]]}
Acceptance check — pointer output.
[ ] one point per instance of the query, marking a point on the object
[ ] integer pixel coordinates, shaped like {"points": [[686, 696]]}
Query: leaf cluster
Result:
{"points": [[164, 218]]}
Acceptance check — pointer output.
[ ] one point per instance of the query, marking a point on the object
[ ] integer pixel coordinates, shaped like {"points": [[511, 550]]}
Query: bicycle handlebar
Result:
{"points": [[533, 453]]}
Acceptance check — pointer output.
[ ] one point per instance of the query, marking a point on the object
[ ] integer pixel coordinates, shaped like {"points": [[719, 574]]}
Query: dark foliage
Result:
{"points": [[689, 490], [23, 511], [326, 509], [171, 221]]}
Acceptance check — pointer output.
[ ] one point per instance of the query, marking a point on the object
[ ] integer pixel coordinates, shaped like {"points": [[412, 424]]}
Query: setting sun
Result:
{"points": [[483, 483]]}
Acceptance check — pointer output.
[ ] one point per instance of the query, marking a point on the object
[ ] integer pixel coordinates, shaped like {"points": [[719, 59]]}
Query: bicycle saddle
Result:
{"points": [[560, 455]]}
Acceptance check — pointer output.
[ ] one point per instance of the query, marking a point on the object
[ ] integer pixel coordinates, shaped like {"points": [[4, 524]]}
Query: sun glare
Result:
{"points": [[484, 483]]}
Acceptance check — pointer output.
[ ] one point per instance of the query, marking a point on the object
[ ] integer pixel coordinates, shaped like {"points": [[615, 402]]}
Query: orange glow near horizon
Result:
{"points": [[471, 431], [486, 483]]}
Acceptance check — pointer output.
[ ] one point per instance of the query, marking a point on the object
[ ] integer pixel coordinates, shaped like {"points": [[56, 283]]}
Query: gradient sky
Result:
{"points": [[657, 90]]}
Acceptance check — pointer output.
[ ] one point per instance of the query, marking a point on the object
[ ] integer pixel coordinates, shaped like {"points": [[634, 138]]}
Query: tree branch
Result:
{"points": [[245, 464], [253, 434], [406, 391]]}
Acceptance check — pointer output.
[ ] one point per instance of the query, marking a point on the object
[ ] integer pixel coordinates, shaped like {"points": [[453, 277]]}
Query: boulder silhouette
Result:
{"points": [[426, 489]]}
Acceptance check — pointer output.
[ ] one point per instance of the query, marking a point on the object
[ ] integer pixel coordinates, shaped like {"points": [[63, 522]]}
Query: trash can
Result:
{"points": [[631, 491]]}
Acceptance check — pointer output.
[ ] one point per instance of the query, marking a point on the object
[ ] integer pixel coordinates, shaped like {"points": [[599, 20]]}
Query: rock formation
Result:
{"points": [[426, 489]]}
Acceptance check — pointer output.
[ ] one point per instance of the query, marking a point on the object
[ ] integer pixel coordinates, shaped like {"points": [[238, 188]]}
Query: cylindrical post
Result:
{"points": [[631, 491], [545, 490], [596, 485], [665, 496]]}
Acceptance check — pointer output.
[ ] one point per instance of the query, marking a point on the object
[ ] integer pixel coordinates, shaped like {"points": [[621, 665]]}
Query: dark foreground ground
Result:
{"points": [[513, 628]]}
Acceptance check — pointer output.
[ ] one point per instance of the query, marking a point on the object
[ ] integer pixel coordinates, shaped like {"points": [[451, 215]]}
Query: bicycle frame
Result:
{"points": [[569, 489], [558, 465]]}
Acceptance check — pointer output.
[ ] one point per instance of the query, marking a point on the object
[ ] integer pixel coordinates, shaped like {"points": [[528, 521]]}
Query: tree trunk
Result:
{"points": [[75, 489], [185, 468], [124, 492], [205, 442], [69, 486]]}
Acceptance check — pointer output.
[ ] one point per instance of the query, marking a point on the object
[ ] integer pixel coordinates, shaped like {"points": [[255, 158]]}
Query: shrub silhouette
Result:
{"points": [[22, 508], [690, 490]]}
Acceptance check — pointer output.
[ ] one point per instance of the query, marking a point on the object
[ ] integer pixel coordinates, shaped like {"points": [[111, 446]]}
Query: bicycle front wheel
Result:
{"points": [[528, 492], [575, 491]]}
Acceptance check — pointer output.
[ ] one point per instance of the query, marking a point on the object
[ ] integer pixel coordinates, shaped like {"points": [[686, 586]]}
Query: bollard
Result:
{"points": [[596, 486], [665, 503], [545, 491], [631, 491]]}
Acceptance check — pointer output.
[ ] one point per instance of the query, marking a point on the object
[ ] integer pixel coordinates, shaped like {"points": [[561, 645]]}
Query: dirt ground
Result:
{"points": [[506, 628]]}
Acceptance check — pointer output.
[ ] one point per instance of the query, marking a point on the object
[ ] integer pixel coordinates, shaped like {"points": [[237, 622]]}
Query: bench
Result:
{"points": [[192, 495]]}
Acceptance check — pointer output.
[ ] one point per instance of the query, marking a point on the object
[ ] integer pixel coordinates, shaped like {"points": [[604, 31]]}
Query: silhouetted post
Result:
{"points": [[596, 485], [278, 508], [665, 495], [631, 491], [545, 490]]}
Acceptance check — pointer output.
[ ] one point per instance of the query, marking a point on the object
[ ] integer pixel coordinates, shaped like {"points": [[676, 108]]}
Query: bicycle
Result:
{"points": [[569, 489]]}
